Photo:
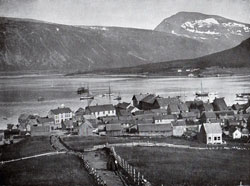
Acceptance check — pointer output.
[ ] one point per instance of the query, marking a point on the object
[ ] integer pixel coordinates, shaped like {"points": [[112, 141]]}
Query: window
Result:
{"points": [[215, 138], [209, 138], [103, 112], [218, 138]]}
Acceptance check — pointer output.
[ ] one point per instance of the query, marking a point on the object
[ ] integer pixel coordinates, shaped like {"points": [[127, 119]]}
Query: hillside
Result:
{"points": [[35, 45], [237, 57], [213, 30]]}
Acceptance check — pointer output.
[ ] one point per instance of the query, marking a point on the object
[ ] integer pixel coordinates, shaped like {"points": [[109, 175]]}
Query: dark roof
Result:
{"points": [[61, 110], [122, 105], [80, 111], [188, 114], [113, 127], [154, 127], [173, 108], [45, 120], [179, 123], [98, 108], [208, 114], [123, 113], [160, 117], [130, 108], [183, 107], [220, 104], [208, 107], [139, 97], [159, 111], [163, 102], [149, 99], [238, 106], [212, 128]]}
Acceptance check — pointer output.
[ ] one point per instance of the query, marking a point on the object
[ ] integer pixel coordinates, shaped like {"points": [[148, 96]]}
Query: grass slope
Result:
{"points": [[170, 166], [52, 170], [27, 147]]}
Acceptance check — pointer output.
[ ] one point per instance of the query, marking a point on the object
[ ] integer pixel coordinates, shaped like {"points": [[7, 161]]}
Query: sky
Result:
{"points": [[146, 14]]}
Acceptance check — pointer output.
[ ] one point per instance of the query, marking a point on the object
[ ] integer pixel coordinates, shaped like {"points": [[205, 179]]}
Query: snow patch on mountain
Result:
{"points": [[200, 23], [236, 25]]}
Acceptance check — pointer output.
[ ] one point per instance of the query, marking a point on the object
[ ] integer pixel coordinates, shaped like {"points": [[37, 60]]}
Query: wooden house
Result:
{"points": [[137, 98], [147, 103], [155, 129], [206, 117], [235, 132], [188, 116], [101, 110], [164, 119], [60, 115], [85, 129], [162, 103], [41, 130], [173, 109], [179, 127], [183, 107], [114, 129], [210, 133]]}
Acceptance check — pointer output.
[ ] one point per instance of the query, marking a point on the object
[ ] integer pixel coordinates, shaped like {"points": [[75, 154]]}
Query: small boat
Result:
{"points": [[86, 97], [118, 98], [40, 98], [243, 95], [201, 93], [82, 90]]}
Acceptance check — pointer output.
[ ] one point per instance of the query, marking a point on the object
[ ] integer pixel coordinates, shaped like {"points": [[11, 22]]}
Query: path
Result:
{"points": [[34, 156], [98, 160]]}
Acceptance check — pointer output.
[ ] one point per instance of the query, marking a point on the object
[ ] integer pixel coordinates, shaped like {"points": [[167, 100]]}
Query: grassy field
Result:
{"points": [[52, 170], [81, 142], [27, 147], [172, 166]]}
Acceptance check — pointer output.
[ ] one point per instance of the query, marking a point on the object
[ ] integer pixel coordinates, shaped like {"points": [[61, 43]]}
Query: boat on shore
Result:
{"points": [[87, 97]]}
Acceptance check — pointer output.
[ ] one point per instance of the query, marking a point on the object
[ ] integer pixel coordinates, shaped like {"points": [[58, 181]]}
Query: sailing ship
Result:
{"points": [[201, 93], [88, 96]]}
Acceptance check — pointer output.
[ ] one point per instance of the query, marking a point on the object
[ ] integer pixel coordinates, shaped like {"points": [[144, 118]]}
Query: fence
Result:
{"points": [[134, 174]]}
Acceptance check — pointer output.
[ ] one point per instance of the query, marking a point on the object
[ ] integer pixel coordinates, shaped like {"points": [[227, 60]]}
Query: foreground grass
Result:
{"points": [[171, 166], [27, 147], [51, 170]]}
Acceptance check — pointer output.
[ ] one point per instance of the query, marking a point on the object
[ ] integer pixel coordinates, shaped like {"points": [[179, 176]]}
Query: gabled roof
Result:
{"points": [[163, 102], [88, 123], [45, 120], [245, 131], [208, 107], [161, 117], [139, 97], [183, 107], [188, 114], [99, 108], [122, 105], [130, 108], [237, 106], [149, 99], [179, 123], [113, 127], [220, 104], [154, 127], [80, 111], [61, 110], [212, 128], [173, 108], [208, 114]]}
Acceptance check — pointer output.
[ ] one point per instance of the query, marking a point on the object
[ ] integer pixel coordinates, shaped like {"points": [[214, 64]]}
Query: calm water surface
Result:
{"points": [[19, 94]]}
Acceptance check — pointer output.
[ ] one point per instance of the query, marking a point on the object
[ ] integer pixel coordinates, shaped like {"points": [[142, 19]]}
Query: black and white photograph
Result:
{"points": [[125, 92]]}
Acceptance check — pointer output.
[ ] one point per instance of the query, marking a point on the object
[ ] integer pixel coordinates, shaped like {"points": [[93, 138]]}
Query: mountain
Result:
{"points": [[237, 57], [35, 45], [216, 31]]}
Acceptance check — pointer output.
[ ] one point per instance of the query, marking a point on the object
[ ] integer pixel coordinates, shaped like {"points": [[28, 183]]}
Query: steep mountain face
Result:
{"points": [[29, 44], [214, 30], [237, 57]]}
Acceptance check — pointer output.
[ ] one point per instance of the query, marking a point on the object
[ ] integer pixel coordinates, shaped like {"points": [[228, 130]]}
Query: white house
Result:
{"points": [[101, 110], [235, 133], [210, 133], [60, 114], [164, 119]]}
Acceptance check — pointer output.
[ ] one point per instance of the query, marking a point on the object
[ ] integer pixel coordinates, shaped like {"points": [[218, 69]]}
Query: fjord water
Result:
{"points": [[19, 94]]}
